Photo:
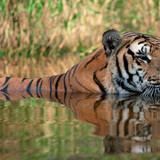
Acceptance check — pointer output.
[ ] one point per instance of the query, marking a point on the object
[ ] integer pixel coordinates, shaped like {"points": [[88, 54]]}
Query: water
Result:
{"points": [[87, 126]]}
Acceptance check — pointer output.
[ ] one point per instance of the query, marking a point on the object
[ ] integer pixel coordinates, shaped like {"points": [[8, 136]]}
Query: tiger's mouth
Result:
{"points": [[152, 89]]}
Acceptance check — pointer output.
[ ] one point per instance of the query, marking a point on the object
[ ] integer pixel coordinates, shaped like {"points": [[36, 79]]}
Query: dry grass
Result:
{"points": [[44, 30], [52, 30]]}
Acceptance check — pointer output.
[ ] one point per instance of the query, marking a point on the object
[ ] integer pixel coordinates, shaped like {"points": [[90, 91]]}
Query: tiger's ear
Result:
{"points": [[111, 40]]}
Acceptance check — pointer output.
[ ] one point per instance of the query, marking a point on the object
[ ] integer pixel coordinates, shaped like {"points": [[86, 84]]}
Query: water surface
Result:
{"points": [[87, 125]]}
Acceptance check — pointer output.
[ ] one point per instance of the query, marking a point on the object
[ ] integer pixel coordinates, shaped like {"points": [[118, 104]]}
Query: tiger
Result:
{"points": [[125, 64]]}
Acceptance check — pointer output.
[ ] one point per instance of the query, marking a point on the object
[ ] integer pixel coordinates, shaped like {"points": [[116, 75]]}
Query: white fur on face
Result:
{"points": [[135, 47], [141, 48]]}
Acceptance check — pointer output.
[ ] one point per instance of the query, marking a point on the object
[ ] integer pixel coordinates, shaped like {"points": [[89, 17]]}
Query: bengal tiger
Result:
{"points": [[126, 63]]}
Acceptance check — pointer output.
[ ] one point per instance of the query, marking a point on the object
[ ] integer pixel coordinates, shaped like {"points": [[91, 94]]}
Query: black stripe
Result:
{"points": [[123, 86], [142, 42], [7, 79], [128, 46], [138, 63], [131, 53], [24, 79], [29, 87], [7, 97], [125, 61], [56, 86], [130, 33], [82, 85], [145, 36], [118, 123], [65, 88], [118, 67], [75, 67], [5, 89], [37, 87], [138, 37], [96, 80], [126, 123], [129, 36], [95, 56], [40, 88], [97, 104], [104, 67], [69, 77], [51, 81]]}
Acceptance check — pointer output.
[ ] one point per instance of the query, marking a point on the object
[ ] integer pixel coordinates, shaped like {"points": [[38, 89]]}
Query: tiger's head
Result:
{"points": [[134, 62]]}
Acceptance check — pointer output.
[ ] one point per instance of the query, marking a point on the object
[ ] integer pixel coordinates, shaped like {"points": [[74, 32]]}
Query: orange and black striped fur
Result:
{"points": [[127, 63]]}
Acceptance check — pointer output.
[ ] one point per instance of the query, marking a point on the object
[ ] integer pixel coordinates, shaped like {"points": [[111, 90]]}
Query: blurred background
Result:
{"points": [[46, 37]]}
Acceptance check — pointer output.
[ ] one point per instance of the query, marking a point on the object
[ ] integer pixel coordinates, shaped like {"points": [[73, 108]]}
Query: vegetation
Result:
{"points": [[34, 33], [50, 28]]}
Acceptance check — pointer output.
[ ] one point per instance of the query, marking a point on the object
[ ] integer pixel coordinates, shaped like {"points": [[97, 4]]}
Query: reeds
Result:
{"points": [[51, 28]]}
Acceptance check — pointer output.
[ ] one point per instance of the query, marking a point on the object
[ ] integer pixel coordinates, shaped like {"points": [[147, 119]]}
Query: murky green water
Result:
{"points": [[89, 127], [39, 129]]}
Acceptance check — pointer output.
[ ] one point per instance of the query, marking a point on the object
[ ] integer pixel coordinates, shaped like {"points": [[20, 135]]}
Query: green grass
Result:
{"points": [[51, 28]]}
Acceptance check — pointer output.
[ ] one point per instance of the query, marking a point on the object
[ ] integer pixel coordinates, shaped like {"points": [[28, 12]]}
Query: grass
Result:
{"points": [[51, 28], [45, 30]]}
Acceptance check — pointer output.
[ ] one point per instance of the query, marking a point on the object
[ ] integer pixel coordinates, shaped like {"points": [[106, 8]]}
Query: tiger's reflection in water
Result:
{"points": [[135, 125], [128, 124]]}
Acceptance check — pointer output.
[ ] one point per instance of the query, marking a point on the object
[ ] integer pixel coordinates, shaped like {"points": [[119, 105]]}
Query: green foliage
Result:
{"points": [[2, 53], [51, 28]]}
